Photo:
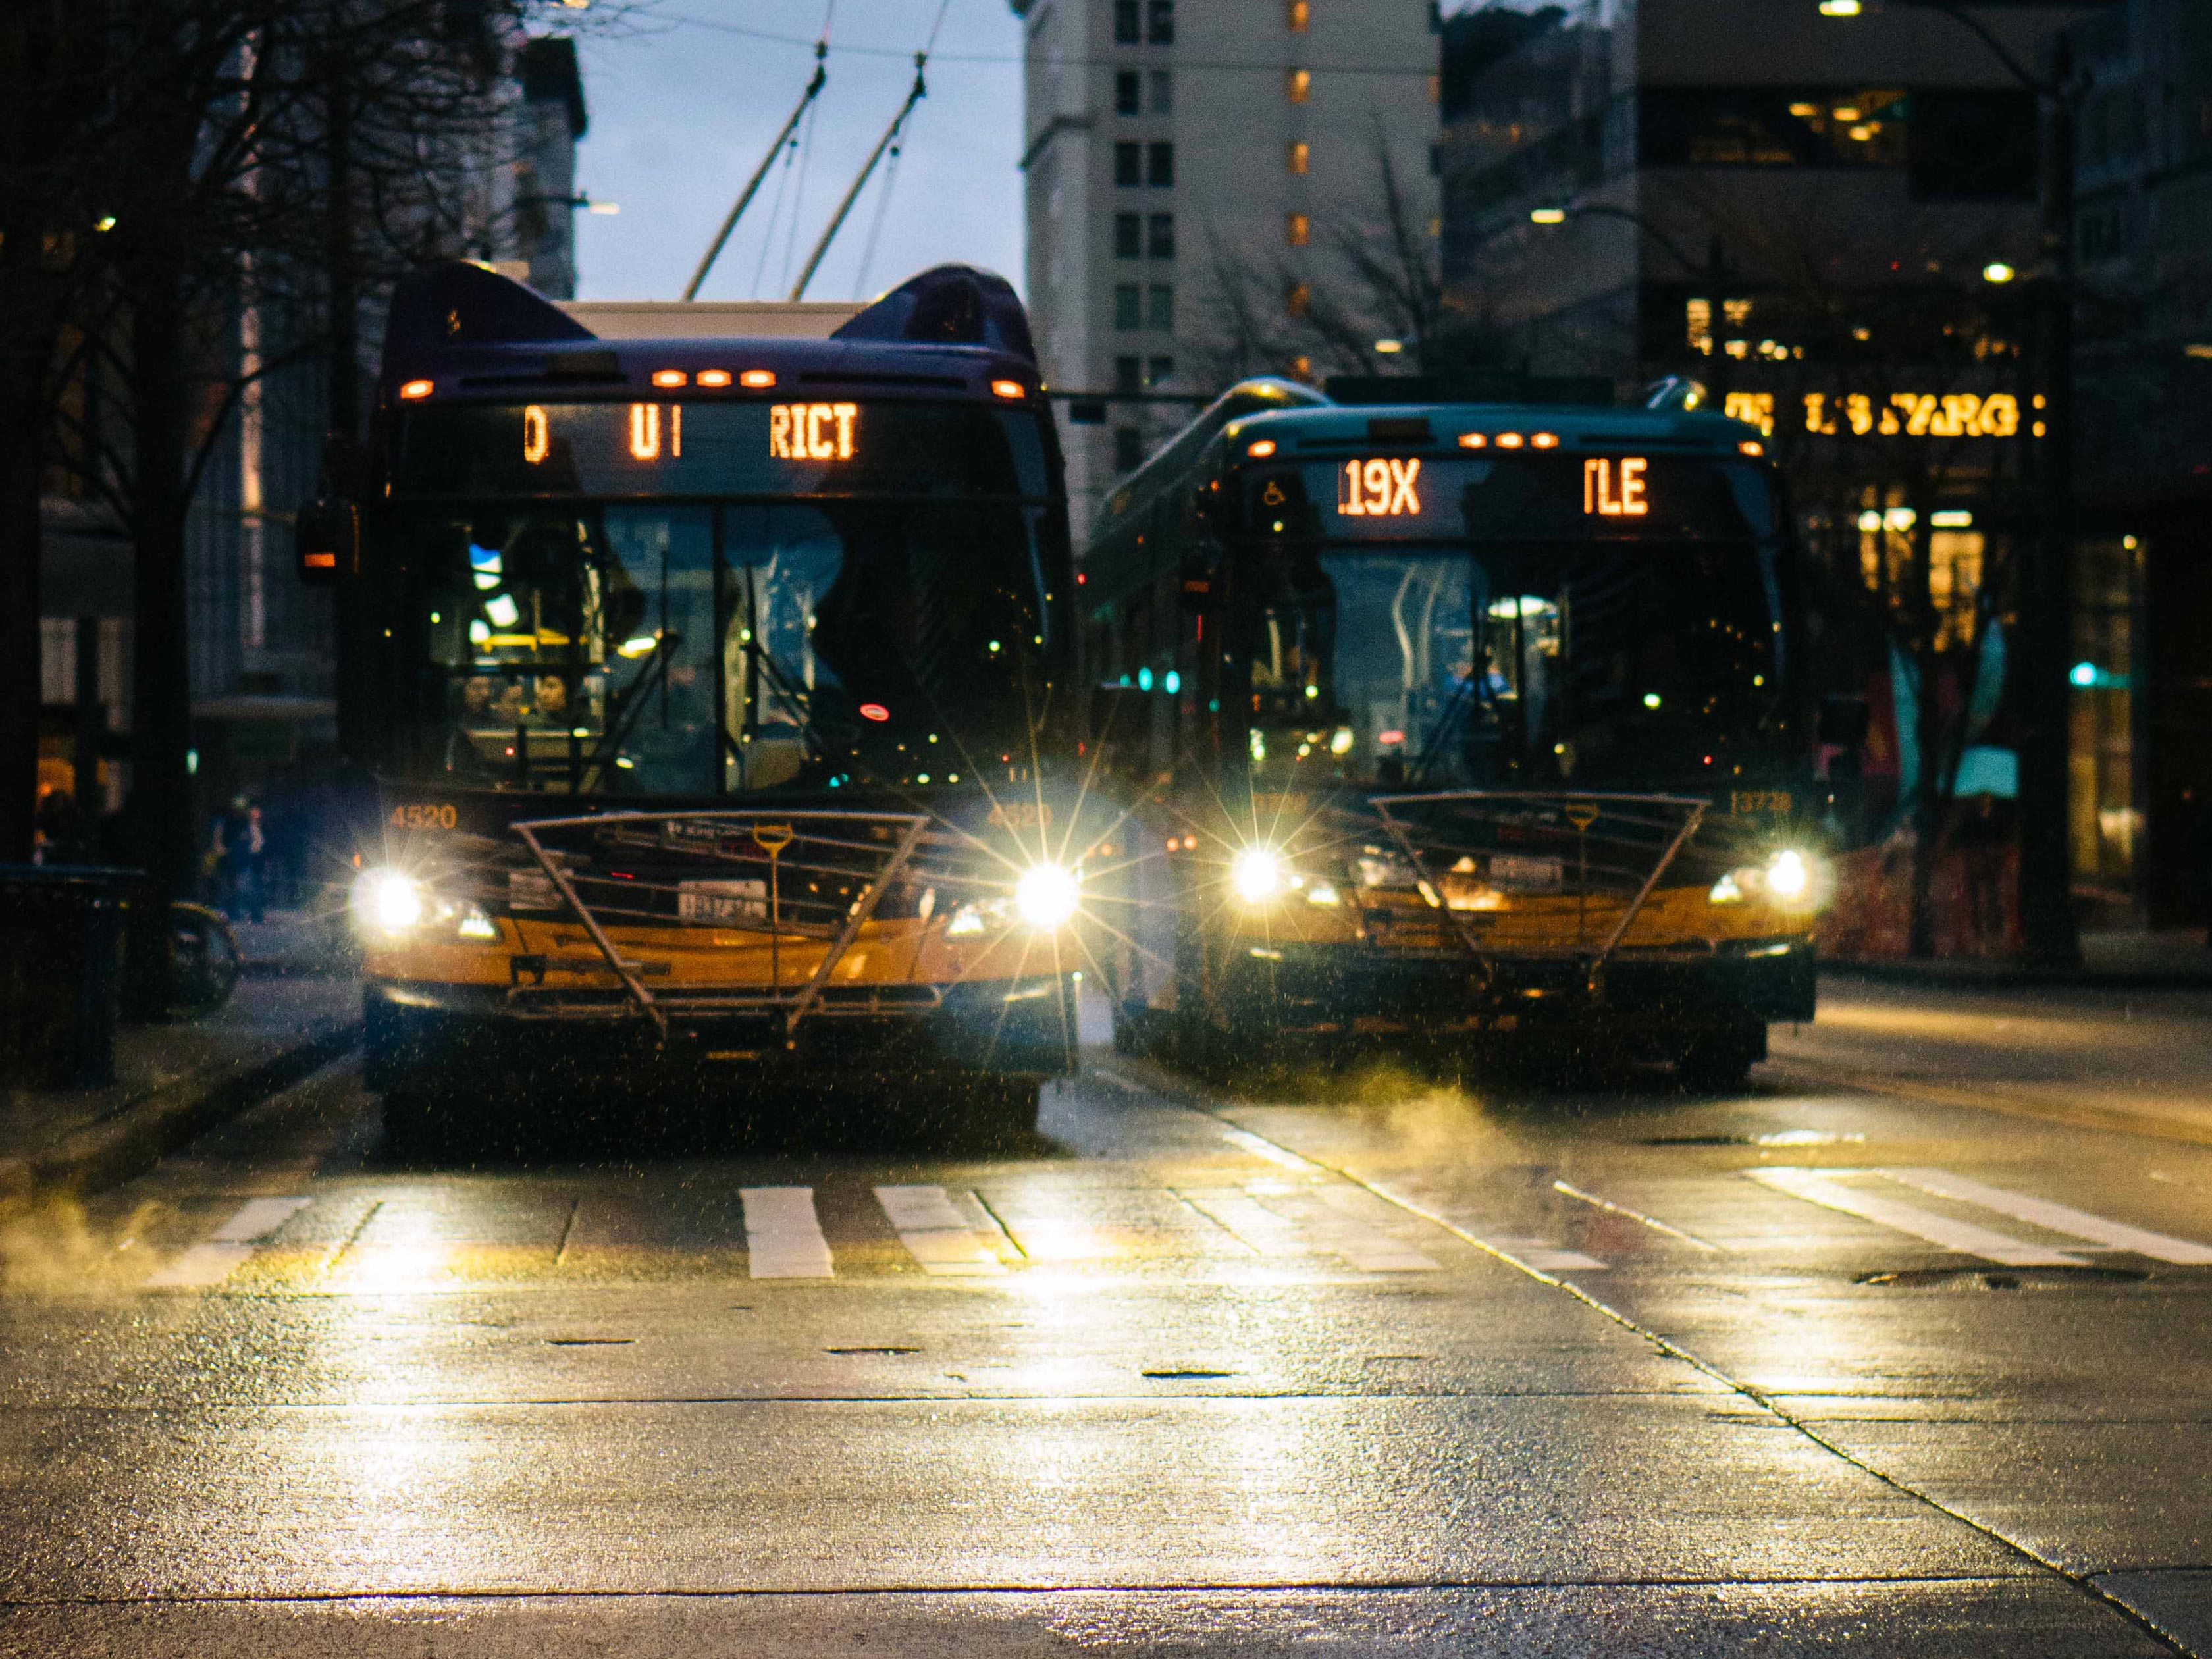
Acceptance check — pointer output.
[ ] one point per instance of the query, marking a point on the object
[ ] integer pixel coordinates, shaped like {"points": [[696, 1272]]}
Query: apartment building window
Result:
{"points": [[1162, 309], [1129, 164], [1128, 92], [1125, 23], [1128, 374], [1128, 308], [1161, 16], [1297, 86], [1128, 449], [1297, 299], [1297, 15], [1159, 164], [1162, 243], [1162, 92], [1297, 229], [1158, 372], [1128, 235], [1301, 153]]}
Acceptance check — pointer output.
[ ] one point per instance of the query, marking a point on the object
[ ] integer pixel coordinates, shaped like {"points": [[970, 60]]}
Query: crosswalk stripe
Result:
{"points": [[229, 1248], [1279, 1225], [2058, 1217], [1546, 1256], [937, 1235], [1824, 1187], [783, 1237]]}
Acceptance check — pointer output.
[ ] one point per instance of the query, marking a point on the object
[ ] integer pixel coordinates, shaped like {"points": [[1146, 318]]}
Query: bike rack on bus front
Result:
{"points": [[1580, 812], [769, 833]]}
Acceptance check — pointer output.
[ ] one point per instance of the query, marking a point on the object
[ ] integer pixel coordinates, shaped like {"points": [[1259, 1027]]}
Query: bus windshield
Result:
{"points": [[593, 648], [1513, 665]]}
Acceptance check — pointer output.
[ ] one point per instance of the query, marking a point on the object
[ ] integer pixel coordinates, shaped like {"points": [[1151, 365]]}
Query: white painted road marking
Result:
{"points": [[229, 1248], [2057, 1218], [257, 1219], [1277, 1224], [1651, 1221], [1827, 1189], [783, 1238], [935, 1234], [1544, 1255]]}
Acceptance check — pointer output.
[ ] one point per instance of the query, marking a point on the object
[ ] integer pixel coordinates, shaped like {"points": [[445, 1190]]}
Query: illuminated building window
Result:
{"points": [[1698, 318], [1297, 15], [1160, 310], [1301, 153], [1738, 312], [1754, 408], [1161, 246], [1128, 165], [1128, 235], [1159, 17], [1297, 85], [1129, 306], [1297, 299], [1159, 164], [1128, 92], [1297, 229]]}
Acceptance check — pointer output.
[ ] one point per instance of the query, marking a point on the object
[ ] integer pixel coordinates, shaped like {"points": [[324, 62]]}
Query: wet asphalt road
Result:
{"points": [[1371, 1362]]}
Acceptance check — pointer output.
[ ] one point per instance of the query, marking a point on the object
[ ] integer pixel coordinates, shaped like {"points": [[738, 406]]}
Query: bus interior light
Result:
{"points": [[411, 390], [758, 379], [638, 645], [715, 377], [670, 377], [876, 711]]}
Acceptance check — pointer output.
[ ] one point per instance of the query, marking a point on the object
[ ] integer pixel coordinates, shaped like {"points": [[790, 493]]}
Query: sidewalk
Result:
{"points": [[2175, 959], [289, 1015]]}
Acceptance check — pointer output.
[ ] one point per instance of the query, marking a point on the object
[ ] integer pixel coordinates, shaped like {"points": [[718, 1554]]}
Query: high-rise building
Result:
{"points": [[1196, 169]]}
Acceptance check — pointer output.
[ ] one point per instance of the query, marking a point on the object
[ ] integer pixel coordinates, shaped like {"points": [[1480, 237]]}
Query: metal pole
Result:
{"points": [[753, 183], [2048, 932], [837, 219]]}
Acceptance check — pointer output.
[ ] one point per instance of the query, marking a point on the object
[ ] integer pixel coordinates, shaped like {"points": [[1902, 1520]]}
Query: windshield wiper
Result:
{"points": [[628, 702]]}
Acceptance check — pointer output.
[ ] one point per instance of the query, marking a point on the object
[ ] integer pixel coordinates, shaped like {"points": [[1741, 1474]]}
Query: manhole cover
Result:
{"points": [[589, 1341], [882, 1350], [1186, 1374], [1778, 1138], [2002, 1278]]}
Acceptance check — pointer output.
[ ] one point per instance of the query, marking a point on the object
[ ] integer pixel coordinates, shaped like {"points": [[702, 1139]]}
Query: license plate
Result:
{"points": [[1517, 873], [722, 900]]}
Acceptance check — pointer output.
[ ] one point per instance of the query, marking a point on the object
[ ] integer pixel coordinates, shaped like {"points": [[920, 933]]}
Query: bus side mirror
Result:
{"points": [[325, 540], [1844, 721]]}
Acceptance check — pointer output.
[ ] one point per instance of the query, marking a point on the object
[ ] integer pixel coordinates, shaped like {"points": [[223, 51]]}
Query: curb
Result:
{"points": [[2014, 976], [139, 1135], [2115, 1120]]}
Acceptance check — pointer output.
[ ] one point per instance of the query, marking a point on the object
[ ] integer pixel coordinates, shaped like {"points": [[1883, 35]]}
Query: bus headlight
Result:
{"points": [[1047, 895], [1257, 874], [1787, 877], [387, 900]]}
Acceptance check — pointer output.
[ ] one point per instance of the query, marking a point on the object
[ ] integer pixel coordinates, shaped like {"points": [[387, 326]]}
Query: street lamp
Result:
{"points": [[2046, 907]]}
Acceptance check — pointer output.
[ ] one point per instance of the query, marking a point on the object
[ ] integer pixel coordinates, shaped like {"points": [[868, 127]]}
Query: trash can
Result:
{"points": [[61, 958]]}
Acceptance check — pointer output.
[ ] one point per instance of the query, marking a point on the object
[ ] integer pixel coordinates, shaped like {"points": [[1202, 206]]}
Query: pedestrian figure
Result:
{"points": [[237, 851]]}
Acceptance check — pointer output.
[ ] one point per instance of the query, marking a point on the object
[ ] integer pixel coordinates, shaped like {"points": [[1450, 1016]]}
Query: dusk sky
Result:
{"points": [[683, 103]]}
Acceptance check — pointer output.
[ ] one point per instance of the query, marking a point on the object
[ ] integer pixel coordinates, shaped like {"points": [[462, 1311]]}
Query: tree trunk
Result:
{"points": [[161, 726], [21, 446]]}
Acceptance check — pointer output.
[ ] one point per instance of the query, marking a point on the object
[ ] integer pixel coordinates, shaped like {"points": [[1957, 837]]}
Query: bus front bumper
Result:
{"points": [[417, 1031], [1636, 995]]}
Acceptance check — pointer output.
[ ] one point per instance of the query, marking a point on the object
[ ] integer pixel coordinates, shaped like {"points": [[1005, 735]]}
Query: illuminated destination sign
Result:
{"points": [[1528, 496], [1379, 488], [721, 448]]}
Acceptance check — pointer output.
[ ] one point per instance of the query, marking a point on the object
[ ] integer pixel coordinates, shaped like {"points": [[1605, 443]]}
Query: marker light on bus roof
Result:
{"points": [[414, 389], [1473, 441], [1261, 450], [669, 377], [1751, 446], [1509, 440], [1546, 441], [714, 377], [1009, 389], [757, 377]]}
